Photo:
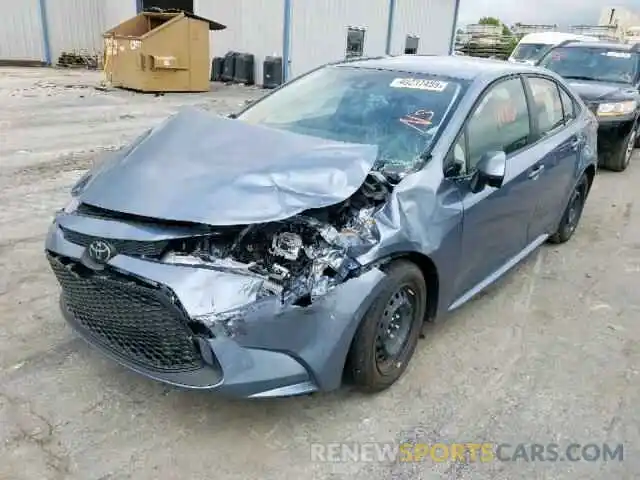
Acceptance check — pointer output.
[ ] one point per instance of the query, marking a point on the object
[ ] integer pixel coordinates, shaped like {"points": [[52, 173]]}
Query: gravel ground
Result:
{"points": [[550, 354]]}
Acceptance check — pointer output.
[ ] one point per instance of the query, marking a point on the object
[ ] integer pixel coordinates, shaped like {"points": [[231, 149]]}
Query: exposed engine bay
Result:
{"points": [[299, 258]]}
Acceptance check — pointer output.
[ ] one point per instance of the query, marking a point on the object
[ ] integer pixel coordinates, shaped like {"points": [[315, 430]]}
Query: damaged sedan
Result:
{"points": [[305, 240]]}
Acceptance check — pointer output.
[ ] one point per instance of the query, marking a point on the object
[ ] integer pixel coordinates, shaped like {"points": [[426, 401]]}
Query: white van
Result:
{"points": [[533, 45]]}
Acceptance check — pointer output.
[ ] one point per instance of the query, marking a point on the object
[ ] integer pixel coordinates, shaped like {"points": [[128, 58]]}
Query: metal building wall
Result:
{"points": [[21, 36], [430, 20], [76, 26], [117, 11], [319, 30], [253, 26]]}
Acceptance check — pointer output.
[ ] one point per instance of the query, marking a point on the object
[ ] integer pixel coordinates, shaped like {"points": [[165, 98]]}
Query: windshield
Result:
{"points": [[596, 64], [529, 51], [401, 113]]}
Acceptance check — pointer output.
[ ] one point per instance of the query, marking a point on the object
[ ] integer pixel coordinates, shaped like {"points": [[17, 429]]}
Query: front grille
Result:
{"points": [[133, 248], [136, 322]]}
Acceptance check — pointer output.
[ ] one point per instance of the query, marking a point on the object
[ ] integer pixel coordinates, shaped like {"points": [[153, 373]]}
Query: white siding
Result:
{"points": [[76, 26], [319, 30], [117, 11], [21, 31], [253, 26], [430, 20]]}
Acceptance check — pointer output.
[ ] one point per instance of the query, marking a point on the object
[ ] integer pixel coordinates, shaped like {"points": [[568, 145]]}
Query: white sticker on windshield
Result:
{"points": [[420, 84], [617, 54]]}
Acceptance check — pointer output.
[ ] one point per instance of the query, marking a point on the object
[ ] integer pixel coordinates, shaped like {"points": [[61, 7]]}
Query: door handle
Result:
{"points": [[535, 173]]}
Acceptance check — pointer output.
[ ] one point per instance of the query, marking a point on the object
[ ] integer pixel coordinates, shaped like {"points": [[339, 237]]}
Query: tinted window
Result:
{"points": [[547, 105], [568, 105], [529, 51], [401, 113], [500, 122], [589, 63]]}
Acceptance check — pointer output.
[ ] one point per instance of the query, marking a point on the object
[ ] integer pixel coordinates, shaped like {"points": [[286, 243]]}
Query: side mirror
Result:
{"points": [[490, 171]]}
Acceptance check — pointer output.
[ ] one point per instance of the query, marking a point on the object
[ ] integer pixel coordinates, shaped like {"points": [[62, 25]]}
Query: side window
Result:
{"points": [[355, 42], [568, 106], [456, 163], [499, 123], [547, 105]]}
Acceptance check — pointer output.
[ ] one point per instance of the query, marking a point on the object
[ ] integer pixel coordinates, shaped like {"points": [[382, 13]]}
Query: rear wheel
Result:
{"points": [[387, 336], [573, 212]]}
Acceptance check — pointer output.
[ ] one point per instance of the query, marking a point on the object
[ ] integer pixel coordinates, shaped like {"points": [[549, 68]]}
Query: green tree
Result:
{"points": [[496, 21], [489, 21]]}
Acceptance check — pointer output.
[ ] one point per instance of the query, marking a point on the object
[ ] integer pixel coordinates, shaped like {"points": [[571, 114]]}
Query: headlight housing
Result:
{"points": [[616, 109]]}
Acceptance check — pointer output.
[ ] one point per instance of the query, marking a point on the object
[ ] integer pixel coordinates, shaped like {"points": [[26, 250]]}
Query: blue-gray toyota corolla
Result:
{"points": [[304, 241]]}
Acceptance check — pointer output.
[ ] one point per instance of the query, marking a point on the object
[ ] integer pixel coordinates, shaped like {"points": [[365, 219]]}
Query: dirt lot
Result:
{"points": [[549, 355]]}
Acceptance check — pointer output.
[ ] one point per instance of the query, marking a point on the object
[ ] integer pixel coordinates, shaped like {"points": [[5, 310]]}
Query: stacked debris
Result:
{"points": [[78, 60]]}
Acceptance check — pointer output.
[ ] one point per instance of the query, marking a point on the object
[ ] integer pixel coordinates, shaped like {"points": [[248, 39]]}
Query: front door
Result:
{"points": [[495, 219]]}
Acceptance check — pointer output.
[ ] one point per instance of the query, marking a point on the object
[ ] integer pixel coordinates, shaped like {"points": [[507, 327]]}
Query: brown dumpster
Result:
{"points": [[160, 52]]}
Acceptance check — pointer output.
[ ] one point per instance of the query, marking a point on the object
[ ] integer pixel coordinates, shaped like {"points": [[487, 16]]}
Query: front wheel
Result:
{"points": [[387, 336], [622, 157], [573, 212]]}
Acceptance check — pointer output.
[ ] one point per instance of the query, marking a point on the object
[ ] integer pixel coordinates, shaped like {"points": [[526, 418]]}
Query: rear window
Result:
{"points": [[597, 64], [529, 51], [401, 113]]}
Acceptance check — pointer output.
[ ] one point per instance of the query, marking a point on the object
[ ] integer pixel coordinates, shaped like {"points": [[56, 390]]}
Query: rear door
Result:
{"points": [[558, 140], [495, 219]]}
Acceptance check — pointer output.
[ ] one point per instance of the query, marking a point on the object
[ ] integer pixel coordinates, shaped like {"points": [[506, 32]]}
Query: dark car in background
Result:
{"points": [[308, 238], [607, 77]]}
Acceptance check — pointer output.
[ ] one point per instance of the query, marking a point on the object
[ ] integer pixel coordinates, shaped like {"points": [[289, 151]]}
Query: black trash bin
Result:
{"points": [[229, 67], [272, 72], [244, 69], [217, 64]]}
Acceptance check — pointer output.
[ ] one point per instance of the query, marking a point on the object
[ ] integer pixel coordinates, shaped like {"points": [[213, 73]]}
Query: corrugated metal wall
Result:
{"points": [[21, 35], [319, 30], [430, 20], [117, 11], [75, 26], [253, 26]]}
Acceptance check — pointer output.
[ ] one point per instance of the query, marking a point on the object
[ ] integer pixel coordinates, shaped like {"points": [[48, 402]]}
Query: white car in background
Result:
{"points": [[532, 46]]}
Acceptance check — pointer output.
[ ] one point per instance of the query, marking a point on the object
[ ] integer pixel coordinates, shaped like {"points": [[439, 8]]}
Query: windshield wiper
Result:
{"points": [[580, 77]]}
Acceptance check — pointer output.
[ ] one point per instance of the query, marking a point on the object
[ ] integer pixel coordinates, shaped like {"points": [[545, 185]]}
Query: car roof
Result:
{"points": [[603, 45], [462, 68], [550, 38]]}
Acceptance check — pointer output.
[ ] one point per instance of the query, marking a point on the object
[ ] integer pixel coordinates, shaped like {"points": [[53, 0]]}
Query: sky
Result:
{"points": [[561, 12]]}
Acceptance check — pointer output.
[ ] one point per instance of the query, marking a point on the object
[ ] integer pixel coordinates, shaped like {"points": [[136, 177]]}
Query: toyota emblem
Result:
{"points": [[100, 251]]}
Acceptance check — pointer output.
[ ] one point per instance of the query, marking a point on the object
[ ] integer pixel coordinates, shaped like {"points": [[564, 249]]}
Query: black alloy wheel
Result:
{"points": [[388, 333]]}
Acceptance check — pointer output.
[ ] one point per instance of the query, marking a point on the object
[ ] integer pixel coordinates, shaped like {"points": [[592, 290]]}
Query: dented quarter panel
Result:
{"points": [[423, 216]]}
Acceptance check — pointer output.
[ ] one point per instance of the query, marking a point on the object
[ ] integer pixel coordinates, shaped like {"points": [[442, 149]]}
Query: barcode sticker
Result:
{"points": [[618, 54], [419, 84]]}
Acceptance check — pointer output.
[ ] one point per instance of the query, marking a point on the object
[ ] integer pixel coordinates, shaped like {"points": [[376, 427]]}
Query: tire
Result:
{"points": [[404, 286], [573, 212], [621, 158]]}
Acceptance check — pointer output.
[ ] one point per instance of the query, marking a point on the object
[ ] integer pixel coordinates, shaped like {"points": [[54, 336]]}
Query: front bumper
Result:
{"points": [[140, 313]]}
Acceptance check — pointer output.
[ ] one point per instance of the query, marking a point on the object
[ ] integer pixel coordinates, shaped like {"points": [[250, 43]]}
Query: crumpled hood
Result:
{"points": [[199, 167], [602, 91]]}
